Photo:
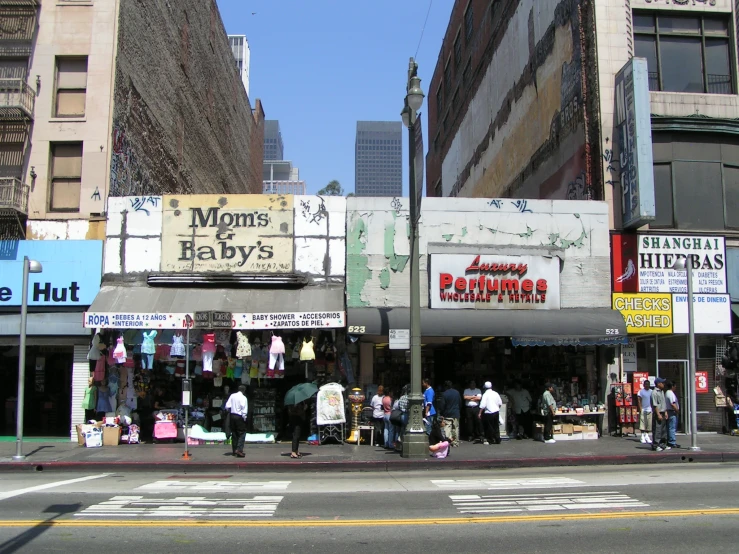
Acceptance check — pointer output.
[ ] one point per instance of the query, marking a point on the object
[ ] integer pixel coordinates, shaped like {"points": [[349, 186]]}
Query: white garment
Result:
{"points": [[208, 361], [491, 402], [178, 347], [94, 353], [238, 404], [278, 360], [120, 352], [472, 392], [243, 348], [646, 400], [670, 399], [377, 410]]}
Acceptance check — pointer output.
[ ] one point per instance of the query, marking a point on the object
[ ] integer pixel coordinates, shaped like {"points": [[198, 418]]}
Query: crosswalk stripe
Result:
{"points": [[216, 486], [477, 504], [199, 506], [513, 483]]}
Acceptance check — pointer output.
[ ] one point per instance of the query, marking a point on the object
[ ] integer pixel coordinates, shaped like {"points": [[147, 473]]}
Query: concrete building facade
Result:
{"points": [[378, 153], [242, 55], [114, 98]]}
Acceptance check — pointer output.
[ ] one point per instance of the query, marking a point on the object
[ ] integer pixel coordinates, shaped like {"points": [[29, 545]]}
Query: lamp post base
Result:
{"points": [[19, 458], [415, 441], [695, 448]]}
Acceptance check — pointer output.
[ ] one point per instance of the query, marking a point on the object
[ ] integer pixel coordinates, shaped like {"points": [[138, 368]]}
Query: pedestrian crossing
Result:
{"points": [[215, 486], [185, 506], [548, 502], [504, 484]]}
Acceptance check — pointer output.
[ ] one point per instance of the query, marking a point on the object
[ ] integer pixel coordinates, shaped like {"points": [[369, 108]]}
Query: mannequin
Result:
{"points": [[276, 356], [209, 350], [148, 348]]}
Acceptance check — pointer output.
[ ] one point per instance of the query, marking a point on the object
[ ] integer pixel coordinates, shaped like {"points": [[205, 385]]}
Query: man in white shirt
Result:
{"points": [[644, 397], [472, 396], [521, 399], [378, 415], [238, 406], [490, 414]]}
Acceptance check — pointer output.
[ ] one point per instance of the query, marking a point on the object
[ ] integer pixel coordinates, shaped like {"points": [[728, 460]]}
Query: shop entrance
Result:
{"points": [[677, 372]]}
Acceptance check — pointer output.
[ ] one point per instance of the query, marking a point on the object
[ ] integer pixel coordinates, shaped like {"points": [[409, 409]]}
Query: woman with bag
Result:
{"points": [[389, 429]]}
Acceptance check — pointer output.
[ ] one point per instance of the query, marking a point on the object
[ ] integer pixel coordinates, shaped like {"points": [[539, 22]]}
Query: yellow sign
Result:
{"points": [[645, 312], [237, 233]]}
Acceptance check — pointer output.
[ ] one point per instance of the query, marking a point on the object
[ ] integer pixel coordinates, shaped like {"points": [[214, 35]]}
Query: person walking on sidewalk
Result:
{"points": [[238, 406], [659, 409], [297, 422], [673, 409], [645, 412], [388, 428], [472, 396], [490, 414], [429, 412], [550, 408], [450, 412], [378, 415]]}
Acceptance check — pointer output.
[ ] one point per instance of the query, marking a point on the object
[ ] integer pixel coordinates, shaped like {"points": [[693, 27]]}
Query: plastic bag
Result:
{"points": [[94, 437]]}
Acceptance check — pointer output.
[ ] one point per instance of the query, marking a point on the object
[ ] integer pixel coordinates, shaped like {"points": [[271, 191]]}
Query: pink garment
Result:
{"points": [[209, 342], [278, 347], [99, 373], [443, 451], [387, 404]]}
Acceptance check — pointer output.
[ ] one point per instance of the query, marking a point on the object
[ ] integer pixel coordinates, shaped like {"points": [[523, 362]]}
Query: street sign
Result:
{"points": [[400, 339], [213, 320], [202, 320]]}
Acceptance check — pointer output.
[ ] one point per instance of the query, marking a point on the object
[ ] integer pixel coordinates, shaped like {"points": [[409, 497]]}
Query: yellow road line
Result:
{"points": [[363, 522]]}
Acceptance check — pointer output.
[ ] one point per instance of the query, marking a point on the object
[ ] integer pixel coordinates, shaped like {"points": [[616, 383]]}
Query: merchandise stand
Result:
{"points": [[331, 413], [625, 421]]}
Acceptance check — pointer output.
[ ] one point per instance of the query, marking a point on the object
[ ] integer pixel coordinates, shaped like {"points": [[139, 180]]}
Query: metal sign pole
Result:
{"points": [[188, 322]]}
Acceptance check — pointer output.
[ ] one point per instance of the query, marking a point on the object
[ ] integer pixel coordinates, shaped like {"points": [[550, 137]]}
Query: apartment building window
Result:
{"points": [[468, 21], [439, 101], [685, 53], [66, 176], [448, 77], [466, 73], [71, 87]]}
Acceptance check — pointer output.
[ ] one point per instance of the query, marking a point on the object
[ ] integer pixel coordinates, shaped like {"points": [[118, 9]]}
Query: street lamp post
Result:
{"points": [[684, 264], [415, 442], [187, 388], [29, 266]]}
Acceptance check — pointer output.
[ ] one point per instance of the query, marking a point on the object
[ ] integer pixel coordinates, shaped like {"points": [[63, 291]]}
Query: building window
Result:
{"points": [[66, 176], [468, 20], [448, 78], [457, 52], [466, 73], [685, 53], [71, 87], [439, 101]]}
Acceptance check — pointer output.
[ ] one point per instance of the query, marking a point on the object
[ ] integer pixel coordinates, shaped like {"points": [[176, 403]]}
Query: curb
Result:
{"points": [[377, 465]]}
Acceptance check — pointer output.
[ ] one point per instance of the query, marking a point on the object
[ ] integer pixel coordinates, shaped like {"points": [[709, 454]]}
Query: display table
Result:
{"points": [[582, 434]]}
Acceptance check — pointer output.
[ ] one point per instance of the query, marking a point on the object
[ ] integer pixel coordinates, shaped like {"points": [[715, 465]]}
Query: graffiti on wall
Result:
{"points": [[127, 176]]}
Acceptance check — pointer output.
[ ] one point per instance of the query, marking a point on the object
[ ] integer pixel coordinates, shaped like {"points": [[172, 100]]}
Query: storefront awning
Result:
{"points": [[122, 305], [582, 326], [47, 324]]}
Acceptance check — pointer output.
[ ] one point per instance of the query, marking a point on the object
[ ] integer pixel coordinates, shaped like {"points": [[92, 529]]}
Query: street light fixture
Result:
{"points": [[29, 266], [415, 442], [684, 264]]}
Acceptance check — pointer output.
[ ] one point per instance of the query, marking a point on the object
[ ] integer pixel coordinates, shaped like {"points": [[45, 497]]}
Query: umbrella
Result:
{"points": [[300, 393]]}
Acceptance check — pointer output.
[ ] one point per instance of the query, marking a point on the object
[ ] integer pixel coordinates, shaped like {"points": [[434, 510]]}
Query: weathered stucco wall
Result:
{"points": [[523, 132], [378, 243], [317, 232]]}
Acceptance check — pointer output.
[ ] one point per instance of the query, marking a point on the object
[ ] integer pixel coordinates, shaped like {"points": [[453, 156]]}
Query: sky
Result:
{"points": [[319, 66]]}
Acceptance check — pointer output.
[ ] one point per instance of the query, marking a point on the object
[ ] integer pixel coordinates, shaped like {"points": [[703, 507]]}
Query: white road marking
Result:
{"points": [[504, 484], [216, 486], [184, 506], [488, 504], [11, 494]]}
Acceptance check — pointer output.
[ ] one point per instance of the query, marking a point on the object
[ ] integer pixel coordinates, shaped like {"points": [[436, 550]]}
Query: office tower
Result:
{"points": [[378, 153], [273, 147], [240, 48]]}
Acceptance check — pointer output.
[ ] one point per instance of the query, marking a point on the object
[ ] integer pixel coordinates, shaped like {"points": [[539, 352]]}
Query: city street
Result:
{"points": [[591, 510]]}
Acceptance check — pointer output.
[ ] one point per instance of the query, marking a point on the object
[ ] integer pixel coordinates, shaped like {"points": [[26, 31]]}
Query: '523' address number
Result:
{"points": [[356, 329]]}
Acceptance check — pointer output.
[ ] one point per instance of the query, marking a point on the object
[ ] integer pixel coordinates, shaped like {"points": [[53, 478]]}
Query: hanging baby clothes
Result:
{"points": [[148, 348], [276, 356], [243, 348], [209, 350], [178, 347], [306, 352], [119, 354], [99, 373]]}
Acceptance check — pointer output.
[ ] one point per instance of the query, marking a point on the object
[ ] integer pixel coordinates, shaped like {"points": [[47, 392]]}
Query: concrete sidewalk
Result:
{"points": [[275, 457]]}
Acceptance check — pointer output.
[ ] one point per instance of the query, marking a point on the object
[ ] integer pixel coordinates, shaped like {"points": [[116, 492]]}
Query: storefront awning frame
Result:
{"points": [[577, 326]]}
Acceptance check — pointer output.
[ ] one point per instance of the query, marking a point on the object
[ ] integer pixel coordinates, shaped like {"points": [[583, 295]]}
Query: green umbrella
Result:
{"points": [[300, 393]]}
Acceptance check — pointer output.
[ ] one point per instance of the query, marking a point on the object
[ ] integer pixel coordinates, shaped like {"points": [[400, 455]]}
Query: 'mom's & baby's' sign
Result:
{"points": [[238, 233]]}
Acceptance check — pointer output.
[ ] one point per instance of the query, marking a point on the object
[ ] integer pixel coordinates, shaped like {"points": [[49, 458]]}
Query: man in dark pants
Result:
{"points": [[659, 407], [490, 414], [472, 396], [450, 412], [550, 407], [238, 407]]}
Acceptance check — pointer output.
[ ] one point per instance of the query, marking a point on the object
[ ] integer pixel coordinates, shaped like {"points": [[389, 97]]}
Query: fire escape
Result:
{"points": [[18, 21]]}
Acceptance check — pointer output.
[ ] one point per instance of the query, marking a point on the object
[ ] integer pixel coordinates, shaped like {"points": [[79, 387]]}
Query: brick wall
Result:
{"points": [[182, 122]]}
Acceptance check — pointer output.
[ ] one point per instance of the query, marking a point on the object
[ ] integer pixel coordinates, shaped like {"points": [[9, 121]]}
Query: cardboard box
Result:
{"points": [[80, 434], [590, 428], [568, 428], [590, 435], [577, 429], [111, 436], [556, 429]]}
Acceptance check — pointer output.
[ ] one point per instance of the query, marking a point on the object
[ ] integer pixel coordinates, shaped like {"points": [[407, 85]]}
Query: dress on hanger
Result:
{"points": [[243, 348], [276, 355], [119, 354], [147, 345], [306, 352], [209, 350], [94, 354], [178, 347]]}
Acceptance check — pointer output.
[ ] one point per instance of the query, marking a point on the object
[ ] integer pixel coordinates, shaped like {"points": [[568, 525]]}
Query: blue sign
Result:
{"points": [[72, 270], [634, 129]]}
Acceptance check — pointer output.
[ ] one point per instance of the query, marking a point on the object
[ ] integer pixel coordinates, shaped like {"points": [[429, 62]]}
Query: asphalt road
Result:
{"points": [[590, 510]]}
